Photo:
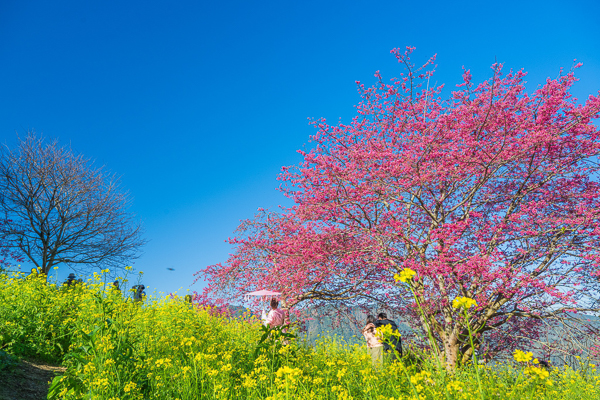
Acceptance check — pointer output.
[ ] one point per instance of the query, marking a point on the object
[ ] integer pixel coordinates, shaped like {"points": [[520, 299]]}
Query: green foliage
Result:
{"points": [[7, 361], [117, 349], [37, 318]]}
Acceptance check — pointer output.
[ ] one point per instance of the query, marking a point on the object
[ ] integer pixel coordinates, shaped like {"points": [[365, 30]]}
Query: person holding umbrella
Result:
{"points": [[276, 316]]}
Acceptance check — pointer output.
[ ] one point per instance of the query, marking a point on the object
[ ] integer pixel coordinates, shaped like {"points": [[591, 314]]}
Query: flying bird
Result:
{"points": [[171, 269]]}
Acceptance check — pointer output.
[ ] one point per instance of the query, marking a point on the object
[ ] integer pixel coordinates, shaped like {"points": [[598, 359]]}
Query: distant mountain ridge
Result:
{"points": [[347, 328]]}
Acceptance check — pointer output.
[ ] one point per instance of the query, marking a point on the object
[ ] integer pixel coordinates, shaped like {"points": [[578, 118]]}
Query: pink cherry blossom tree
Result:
{"points": [[490, 193]]}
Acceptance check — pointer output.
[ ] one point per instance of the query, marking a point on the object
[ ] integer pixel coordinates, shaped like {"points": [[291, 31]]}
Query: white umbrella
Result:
{"points": [[263, 294]]}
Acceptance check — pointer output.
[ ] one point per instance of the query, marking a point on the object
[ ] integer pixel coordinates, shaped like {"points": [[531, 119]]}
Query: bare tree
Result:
{"points": [[61, 210]]}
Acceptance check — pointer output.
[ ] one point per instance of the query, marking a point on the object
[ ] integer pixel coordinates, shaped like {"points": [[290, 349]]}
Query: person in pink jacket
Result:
{"points": [[276, 317], [374, 345]]}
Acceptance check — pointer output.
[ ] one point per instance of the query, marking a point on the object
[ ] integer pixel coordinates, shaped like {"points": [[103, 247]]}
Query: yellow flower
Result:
{"points": [[521, 356], [405, 276], [537, 371], [455, 386], [129, 387], [465, 302], [249, 382]]}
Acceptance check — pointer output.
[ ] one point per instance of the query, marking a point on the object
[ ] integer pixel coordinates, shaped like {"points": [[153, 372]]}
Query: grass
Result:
{"points": [[114, 349]]}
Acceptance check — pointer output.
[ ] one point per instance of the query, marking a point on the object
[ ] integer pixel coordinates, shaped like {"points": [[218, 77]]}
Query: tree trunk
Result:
{"points": [[451, 353]]}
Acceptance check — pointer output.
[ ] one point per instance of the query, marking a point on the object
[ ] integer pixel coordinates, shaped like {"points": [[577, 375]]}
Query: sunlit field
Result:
{"points": [[114, 349]]}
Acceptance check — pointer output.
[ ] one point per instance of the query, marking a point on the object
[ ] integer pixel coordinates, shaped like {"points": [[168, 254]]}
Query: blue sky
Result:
{"points": [[197, 105]]}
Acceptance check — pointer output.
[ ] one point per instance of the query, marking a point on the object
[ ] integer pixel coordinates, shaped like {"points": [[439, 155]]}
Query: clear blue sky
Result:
{"points": [[197, 104]]}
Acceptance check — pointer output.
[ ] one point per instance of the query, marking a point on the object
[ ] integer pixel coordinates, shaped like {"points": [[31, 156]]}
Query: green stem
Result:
{"points": [[428, 329], [475, 361], [430, 336]]}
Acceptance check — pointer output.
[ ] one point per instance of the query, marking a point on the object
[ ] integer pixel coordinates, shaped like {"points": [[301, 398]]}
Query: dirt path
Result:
{"points": [[27, 381]]}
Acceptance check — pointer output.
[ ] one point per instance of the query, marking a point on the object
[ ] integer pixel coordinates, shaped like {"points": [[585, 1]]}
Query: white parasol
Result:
{"points": [[263, 294]]}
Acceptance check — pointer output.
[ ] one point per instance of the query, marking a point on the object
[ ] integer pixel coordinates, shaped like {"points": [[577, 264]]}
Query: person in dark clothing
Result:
{"points": [[395, 342], [139, 293], [188, 301], [70, 279], [544, 364]]}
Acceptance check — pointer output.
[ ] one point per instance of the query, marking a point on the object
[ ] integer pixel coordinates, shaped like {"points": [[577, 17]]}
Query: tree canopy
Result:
{"points": [[490, 194], [61, 210]]}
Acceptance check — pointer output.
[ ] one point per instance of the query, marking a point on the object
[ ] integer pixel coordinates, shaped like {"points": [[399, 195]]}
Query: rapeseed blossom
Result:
{"points": [[537, 371], [165, 350], [405, 275], [465, 302], [521, 356]]}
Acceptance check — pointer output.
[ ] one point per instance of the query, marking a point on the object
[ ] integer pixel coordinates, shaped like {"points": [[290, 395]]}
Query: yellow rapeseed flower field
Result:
{"points": [[114, 348]]}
